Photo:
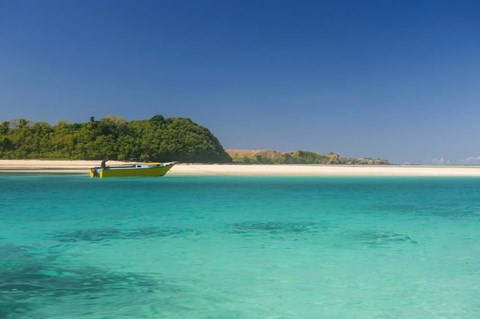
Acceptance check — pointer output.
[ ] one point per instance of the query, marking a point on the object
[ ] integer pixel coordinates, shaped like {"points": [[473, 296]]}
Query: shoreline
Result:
{"points": [[81, 167]]}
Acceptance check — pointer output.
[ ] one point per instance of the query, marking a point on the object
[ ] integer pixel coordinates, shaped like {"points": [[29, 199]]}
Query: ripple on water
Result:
{"points": [[447, 210]]}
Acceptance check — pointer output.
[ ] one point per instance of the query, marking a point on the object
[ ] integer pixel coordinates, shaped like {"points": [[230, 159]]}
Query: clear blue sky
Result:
{"points": [[391, 79]]}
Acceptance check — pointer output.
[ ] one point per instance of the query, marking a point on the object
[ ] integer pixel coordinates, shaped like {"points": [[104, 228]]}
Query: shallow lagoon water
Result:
{"points": [[239, 247]]}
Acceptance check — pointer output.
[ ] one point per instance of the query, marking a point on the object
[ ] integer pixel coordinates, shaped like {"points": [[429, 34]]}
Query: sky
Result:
{"points": [[397, 80]]}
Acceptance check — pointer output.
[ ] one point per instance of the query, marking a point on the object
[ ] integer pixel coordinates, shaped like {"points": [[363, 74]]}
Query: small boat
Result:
{"points": [[135, 170]]}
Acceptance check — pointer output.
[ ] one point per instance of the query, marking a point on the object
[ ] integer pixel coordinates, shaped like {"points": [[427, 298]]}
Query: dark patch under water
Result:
{"points": [[274, 227], [29, 280], [102, 234], [380, 238], [368, 237]]}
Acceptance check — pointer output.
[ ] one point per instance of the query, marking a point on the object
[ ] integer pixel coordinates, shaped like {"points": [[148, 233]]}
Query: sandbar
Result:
{"points": [[81, 167]]}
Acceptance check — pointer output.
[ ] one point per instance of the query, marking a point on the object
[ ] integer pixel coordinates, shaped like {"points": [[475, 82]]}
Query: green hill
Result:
{"points": [[155, 139], [297, 157]]}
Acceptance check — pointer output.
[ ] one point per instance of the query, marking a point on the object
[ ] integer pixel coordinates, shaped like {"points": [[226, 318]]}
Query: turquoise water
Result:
{"points": [[239, 247]]}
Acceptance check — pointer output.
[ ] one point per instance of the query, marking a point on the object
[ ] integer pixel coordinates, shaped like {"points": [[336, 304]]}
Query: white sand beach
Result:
{"points": [[46, 166]]}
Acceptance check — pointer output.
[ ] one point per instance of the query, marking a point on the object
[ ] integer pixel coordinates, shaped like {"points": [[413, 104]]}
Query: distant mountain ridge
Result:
{"points": [[297, 157]]}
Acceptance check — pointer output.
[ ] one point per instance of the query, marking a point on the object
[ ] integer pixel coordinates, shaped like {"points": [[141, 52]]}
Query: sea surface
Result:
{"points": [[239, 247]]}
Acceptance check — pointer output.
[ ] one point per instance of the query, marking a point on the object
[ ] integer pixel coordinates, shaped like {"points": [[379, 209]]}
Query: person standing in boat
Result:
{"points": [[104, 163]]}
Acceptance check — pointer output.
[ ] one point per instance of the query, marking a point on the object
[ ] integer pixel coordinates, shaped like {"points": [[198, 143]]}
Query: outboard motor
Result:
{"points": [[94, 172]]}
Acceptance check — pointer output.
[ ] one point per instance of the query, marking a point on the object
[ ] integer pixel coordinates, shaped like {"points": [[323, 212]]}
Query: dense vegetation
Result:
{"points": [[297, 157], [156, 139]]}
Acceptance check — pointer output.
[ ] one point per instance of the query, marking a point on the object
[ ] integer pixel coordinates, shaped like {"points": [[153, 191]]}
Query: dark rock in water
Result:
{"points": [[88, 235], [274, 227], [380, 238], [159, 232], [27, 280], [96, 235]]}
